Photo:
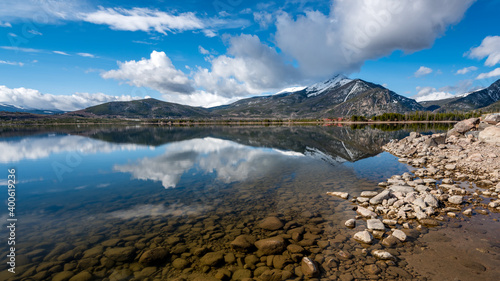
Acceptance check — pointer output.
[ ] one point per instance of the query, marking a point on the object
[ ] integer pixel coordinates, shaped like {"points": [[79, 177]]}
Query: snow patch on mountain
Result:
{"points": [[291, 90], [319, 88]]}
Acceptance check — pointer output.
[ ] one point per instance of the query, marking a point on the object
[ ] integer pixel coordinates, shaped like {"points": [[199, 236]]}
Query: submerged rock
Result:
{"points": [[343, 195], [271, 246], [308, 267], [350, 223], [243, 243], [363, 237], [153, 256], [271, 223], [212, 258]]}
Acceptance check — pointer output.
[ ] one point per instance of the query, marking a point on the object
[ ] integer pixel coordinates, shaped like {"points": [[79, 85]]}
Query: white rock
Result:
{"points": [[404, 189], [383, 255], [494, 204], [419, 202], [343, 195], [362, 199], [364, 212], [399, 234], [364, 237], [377, 199], [368, 194], [375, 224], [456, 199], [431, 200], [468, 212], [350, 223], [490, 135]]}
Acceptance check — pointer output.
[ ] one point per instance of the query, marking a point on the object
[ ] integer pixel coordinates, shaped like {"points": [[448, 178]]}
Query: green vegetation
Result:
{"points": [[426, 116]]}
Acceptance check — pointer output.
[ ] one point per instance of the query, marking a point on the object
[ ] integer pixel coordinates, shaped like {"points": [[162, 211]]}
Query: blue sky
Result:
{"points": [[72, 54]]}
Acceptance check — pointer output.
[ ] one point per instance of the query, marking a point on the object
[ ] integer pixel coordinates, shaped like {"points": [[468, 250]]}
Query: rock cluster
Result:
{"points": [[469, 154]]}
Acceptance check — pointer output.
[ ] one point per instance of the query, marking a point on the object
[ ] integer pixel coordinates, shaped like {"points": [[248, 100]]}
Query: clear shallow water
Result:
{"points": [[183, 189]]}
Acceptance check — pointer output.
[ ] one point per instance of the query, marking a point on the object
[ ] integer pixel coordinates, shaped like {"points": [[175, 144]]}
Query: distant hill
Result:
{"points": [[475, 100], [13, 108], [338, 96], [146, 108]]}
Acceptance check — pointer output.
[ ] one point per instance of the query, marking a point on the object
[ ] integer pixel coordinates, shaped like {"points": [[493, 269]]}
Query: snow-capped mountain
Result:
{"points": [[338, 96], [291, 90], [319, 88], [15, 108]]}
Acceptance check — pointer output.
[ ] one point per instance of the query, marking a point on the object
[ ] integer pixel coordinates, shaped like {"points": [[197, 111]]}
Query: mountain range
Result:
{"points": [[336, 97]]}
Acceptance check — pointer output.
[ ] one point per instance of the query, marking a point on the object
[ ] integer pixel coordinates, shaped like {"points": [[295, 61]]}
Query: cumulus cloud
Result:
{"points": [[264, 19], [493, 73], [422, 71], [203, 51], [249, 68], [30, 98], [490, 48], [429, 93], [466, 70], [356, 30], [157, 73], [144, 19]]}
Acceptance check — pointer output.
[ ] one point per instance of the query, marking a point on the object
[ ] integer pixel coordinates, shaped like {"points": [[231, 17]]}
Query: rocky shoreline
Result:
{"points": [[454, 172]]}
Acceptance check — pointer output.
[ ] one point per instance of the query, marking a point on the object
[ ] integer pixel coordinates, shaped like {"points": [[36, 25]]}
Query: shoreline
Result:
{"points": [[455, 181]]}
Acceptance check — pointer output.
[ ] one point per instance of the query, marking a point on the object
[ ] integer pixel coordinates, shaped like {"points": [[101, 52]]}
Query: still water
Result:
{"points": [[91, 201]]}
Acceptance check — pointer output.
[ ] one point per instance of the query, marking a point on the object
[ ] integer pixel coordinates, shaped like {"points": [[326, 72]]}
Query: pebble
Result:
{"points": [[375, 224], [351, 223], [343, 195], [363, 237]]}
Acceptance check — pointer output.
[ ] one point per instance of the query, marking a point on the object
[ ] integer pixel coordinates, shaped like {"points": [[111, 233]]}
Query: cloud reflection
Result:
{"points": [[32, 148], [229, 161]]}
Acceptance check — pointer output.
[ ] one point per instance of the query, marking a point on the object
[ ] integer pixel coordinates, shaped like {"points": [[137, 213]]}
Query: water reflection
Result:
{"points": [[226, 179], [227, 160]]}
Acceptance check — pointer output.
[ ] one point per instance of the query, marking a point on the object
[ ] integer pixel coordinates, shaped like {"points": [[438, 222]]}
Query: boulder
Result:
{"points": [[490, 135], [120, 254], [212, 258], [382, 255], [153, 256], [309, 268], [364, 212], [368, 194], [492, 118], [404, 189], [271, 246], [243, 243], [375, 224], [363, 237], [456, 199], [271, 223], [343, 195], [377, 199], [464, 126], [351, 223], [399, 234]]}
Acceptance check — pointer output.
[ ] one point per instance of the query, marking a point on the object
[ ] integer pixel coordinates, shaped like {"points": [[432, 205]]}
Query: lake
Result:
{"points": [[161, 203]]}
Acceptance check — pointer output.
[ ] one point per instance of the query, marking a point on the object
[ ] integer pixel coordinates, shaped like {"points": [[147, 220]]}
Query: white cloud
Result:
{"points": [[422, 71], [12, 34], [264, 19], [466, 70], [429, 93], [144, 19], [35, 32], [356, 30], [11, 62], [157, 73], [5, 24], [20, 49], [30, 98], [490, 47], [60, 53], [249, 68], [87, 55], [41, 11], [493, 73], [159, 210], [203, 51]]}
